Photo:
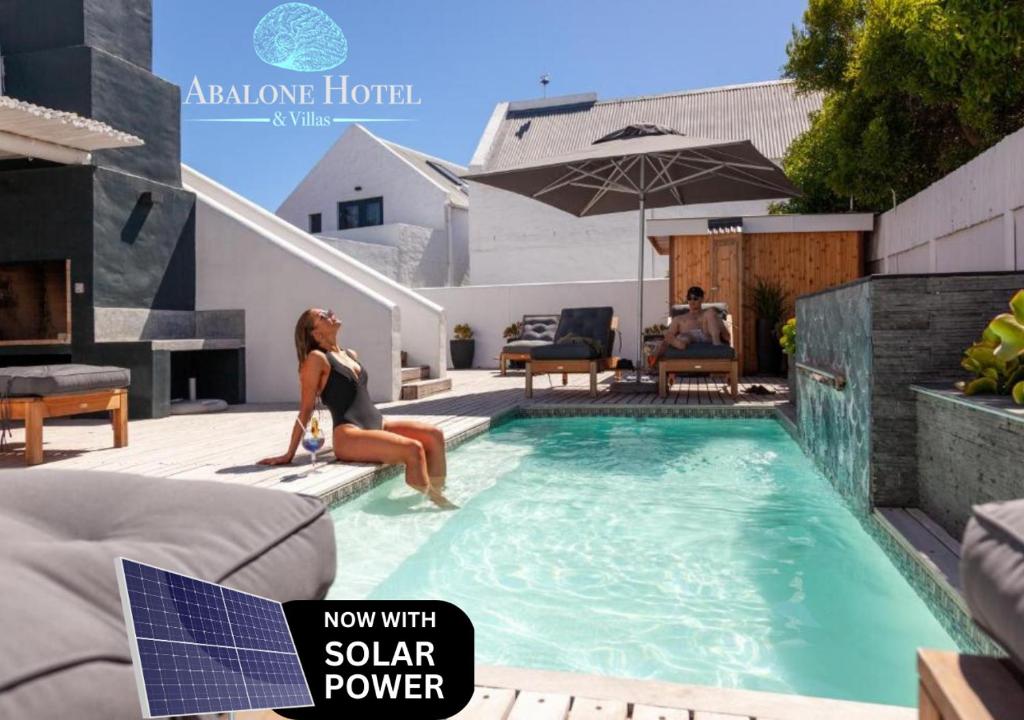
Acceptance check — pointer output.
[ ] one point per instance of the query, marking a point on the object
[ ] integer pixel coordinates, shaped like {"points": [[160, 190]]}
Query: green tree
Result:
{"points": [[912, 89]]}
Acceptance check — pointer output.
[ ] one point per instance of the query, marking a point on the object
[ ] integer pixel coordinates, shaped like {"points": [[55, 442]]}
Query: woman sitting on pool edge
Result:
{"points": [[361, 433]]}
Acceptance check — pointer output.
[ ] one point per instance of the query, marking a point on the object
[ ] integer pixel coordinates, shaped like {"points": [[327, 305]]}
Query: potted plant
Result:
{"points": [[513, 331], [787, 341], [462, 347], [769, 306], [655, 331], [997, 360]]}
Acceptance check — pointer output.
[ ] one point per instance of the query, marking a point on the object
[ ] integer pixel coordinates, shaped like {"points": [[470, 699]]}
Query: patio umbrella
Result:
{"points": [[645, 166]]}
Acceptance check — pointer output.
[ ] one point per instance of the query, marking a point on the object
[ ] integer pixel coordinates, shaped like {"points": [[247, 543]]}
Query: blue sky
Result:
{"points": [[461, 58]]}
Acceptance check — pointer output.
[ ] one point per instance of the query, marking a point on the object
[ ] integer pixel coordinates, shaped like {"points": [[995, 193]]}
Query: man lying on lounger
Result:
{"points": [[701, 324]]}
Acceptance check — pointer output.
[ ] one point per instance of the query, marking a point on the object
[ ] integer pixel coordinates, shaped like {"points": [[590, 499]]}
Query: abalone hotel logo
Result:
{"points": [[302, 38]]}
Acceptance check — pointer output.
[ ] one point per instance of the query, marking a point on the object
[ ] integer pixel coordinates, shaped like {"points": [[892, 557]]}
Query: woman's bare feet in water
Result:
{"points": [[435, 496]]}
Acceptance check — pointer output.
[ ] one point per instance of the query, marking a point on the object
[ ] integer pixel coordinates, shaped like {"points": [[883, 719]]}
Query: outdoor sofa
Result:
{"points": [[701, 357], [37, 392], [538, 330], [63, 644], [956, 686], [583, 343]]}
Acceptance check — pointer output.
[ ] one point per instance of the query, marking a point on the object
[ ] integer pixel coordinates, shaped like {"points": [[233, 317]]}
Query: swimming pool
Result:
{"points": [[700, 551]]}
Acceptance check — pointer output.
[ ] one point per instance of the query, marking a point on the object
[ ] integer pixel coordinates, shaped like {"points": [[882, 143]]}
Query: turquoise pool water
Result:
{"points": [[698, 551]]}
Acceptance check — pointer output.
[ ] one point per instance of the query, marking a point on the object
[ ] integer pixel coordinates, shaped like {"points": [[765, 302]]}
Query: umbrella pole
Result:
{"points": [[640, 364]]}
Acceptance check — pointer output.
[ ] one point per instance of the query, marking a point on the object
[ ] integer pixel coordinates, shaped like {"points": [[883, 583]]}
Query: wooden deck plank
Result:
{"points": [[532, 705], [584, 708], [730, 701], [936, 530], [932, 552], [651, 712], [488, 704]]}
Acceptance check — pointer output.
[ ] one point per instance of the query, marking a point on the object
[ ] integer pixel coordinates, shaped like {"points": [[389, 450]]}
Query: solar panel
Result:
{"points": [[203, 648]]}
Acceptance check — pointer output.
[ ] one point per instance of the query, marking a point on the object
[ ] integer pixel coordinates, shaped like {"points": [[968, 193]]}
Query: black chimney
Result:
{"points": [[123, 225]]}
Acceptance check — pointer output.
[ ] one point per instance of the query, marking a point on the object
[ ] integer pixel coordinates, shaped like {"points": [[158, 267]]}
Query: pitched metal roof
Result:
{"points": [[769, 114], [428, 165]]}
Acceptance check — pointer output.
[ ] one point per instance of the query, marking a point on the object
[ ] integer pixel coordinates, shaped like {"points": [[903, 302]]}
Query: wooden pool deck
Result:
{"points": [[226, 446], [504, 693]]}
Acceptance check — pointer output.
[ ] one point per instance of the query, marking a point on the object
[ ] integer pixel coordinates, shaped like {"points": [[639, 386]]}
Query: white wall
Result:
{"points": [[515, 239], [460, 246], [422, 322], [489, 309], [382, 258], [970, 220], [420, 257], [361, 159], [240, 265]]}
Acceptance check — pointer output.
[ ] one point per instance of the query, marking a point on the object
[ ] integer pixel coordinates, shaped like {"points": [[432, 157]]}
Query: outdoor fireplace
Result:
{"points": [[35, 303], [105, 241]]}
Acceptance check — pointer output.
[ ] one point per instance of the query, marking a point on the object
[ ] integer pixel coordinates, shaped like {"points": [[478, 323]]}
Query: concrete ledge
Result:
{"points": [[141, 324], [186, 344], [969, 451], [1000, 405]]}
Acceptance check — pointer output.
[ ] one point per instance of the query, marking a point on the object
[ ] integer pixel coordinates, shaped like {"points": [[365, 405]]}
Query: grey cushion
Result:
{"points": [[568, 351], [992, 573], [722, 308], [583, 333], [701, 350], [64, 652], [539, 327], [524, 345], [61, 379]]}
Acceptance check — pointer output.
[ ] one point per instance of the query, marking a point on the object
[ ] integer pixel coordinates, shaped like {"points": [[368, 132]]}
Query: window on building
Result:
{"points": [[315, 223], [448, 175], [360, 213]]}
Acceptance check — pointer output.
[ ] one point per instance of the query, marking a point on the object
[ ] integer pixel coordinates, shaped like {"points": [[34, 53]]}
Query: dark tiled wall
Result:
{"points": [[834, 335], [886, 333], [920, 327], [966, 456]]}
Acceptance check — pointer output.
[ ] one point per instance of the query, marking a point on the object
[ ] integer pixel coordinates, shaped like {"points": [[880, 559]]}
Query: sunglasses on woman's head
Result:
{"points": [[326, 314]]}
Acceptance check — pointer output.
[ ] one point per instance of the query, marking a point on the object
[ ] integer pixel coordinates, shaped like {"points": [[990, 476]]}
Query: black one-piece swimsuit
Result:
{"points": [[347, 397]]}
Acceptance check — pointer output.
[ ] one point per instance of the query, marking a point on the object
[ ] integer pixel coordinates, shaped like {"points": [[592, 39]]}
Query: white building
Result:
{"points": [[514, 239], [397, 210]]}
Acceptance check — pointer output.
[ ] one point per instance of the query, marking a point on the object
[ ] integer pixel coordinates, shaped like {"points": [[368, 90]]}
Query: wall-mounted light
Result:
{"points": [[359, 188]]}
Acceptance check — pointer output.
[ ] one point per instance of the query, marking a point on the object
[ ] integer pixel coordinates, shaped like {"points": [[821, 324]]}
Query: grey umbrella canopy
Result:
{"points": [[645, 166]]}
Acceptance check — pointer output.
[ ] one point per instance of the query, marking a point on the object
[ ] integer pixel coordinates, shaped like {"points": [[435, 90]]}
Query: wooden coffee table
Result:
{"points": [[33, 410]]}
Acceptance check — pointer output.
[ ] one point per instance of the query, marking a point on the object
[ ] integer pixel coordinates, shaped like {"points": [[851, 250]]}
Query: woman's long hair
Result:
{"points": [[305, 343]]}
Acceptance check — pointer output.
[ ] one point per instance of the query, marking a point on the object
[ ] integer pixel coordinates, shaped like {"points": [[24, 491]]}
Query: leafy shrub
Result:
{"points": [[997, 360], [788, 338]]}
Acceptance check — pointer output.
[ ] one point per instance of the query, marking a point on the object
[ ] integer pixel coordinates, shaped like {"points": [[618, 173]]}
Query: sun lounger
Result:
{"points": [[583, 344], [538, 330], [701, 357], [38, 392]]}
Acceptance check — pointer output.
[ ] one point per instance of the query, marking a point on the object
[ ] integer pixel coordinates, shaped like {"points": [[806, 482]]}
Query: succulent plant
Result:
{"points": [[513, 331], [997, 359], [788, 337], [463, 332], [656, 329]]}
